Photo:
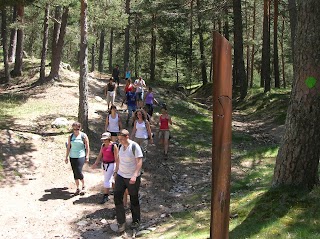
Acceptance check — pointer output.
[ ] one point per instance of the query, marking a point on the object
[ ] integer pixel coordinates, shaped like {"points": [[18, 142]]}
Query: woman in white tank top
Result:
{"points": [[113, 123], [141, 132]]}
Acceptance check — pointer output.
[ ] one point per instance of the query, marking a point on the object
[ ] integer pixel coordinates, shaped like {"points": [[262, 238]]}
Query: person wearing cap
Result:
{"points": [[127, 176], [108, 155]]}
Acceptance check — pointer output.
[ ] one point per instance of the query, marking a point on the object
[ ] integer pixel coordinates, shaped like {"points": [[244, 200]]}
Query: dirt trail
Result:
{"points": [[37, 192]]}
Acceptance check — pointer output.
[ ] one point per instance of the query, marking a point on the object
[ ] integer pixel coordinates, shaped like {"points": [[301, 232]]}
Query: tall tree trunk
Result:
{"points": [[110, 50], [283, 55], [201, 43], [13, 37], [191, 44], [56, 30], [265, 62], [275, 45], [83, 80], [101, 50], [93, 57], [44, 43], [127, 39], [153, 49], [247, 45], [57, 53], [239, 72], [4, 45], [253, 45], [17, 70], [293, 23], [136, 47], [226, 24], [298, 157]]}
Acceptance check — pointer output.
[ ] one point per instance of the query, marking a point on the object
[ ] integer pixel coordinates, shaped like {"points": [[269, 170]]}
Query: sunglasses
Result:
{"points": [[76, 129], [122, 135]]}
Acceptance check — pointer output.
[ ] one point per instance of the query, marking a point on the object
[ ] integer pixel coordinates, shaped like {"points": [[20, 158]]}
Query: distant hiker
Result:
{"points": [[127, 176], [164, 132], [115, 74], [108, 155], [78, 151], [128, 73], [127, 88], [140, 84], [110, 92], [149, 100], [141, 132], [131, 103], [113, 123]]}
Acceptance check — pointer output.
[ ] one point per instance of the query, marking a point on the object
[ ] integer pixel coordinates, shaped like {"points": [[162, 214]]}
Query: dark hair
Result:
{"points": [[150, 88], [112, 107], [143, 113]]}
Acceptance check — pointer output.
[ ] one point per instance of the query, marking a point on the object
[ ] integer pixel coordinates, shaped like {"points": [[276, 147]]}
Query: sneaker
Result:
{"points": [[83, 191], [121, 227], [135, 225], [77, 192], [104, 199]]}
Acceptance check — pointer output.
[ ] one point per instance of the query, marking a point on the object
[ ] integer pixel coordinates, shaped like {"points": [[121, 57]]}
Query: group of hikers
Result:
{"points": [[122, 153]]}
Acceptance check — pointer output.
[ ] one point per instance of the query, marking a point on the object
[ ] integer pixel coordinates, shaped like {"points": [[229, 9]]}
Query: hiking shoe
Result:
{"points": [[104, 199], [83, 191], [77, 192], [121, 227], [135, 225]]}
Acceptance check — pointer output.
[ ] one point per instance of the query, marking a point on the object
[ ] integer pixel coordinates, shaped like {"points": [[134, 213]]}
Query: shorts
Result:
{"points": [[114, 133], [108, 169], [164, 134], [139, 96]]}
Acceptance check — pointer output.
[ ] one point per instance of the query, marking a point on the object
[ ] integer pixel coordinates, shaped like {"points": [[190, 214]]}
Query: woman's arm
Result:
{"points": [[107, 123], [98, 158], [86, 142], [149, 131], [119, 122], [133, 133], [68, 149]]}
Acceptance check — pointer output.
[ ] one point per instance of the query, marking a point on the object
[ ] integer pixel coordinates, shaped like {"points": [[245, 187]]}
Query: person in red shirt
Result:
{"points": [[164, 132]]}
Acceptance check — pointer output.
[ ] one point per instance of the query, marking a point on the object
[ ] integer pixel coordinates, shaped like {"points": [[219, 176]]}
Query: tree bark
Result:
{"points": [[239, 72], [93, 58], [283, 55], [44, 43], [83, 80], [190, 77], [265, 61], [17, 70], [275, 46], [4, 45], [253, 45], [57, 52], [127, 39], [13, 37], [153, 49], [136, 47], [110, 50], [293, 23], [298, 157], [56, 30], [101, 50], [201, 43]]}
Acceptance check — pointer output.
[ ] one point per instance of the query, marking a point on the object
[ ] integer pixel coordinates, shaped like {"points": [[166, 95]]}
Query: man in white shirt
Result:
{"points": [[127, 176]]}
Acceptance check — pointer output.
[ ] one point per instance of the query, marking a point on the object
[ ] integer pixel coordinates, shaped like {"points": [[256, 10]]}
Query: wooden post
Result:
{"points": [[221, 137]]}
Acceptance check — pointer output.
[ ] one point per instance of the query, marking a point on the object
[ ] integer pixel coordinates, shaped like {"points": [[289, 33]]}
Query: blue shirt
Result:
{"points": [[131, 98], [128, 74], [78, 149]]}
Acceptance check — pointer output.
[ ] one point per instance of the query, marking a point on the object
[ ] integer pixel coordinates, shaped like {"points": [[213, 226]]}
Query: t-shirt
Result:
{"points": [[78, 149], [149, 98], [131, 99], [111, 86], [128, 74], [115, 73], [139, 85], [128, 88], [127, 161]]}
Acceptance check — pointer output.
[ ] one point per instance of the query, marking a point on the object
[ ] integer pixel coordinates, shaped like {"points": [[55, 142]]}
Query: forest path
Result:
{"points": [[37, 189]]}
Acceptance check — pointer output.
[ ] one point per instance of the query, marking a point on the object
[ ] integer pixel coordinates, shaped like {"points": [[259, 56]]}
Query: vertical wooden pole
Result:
{"points": [[221, 137]]}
